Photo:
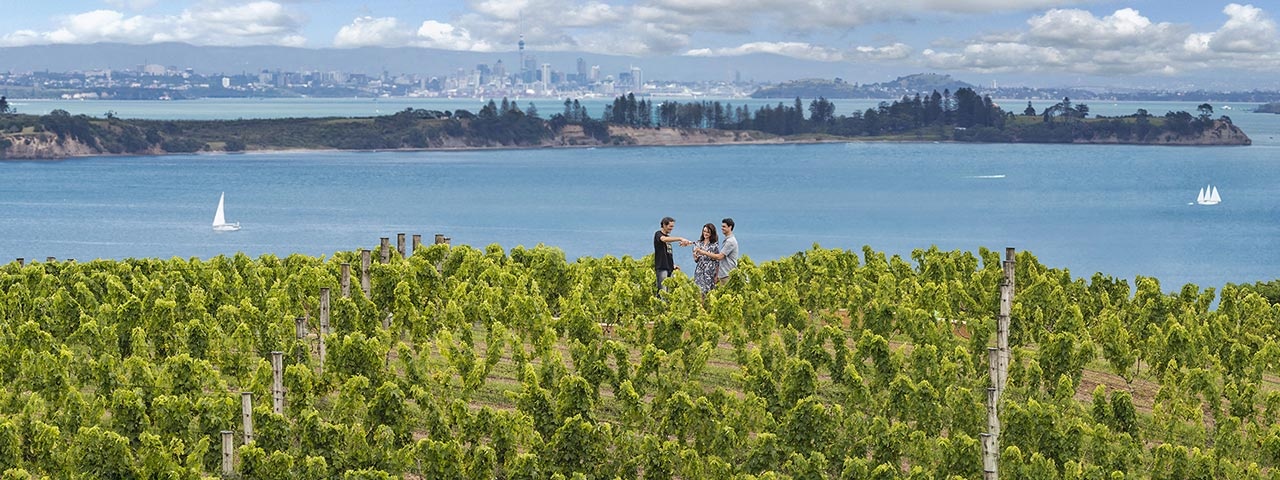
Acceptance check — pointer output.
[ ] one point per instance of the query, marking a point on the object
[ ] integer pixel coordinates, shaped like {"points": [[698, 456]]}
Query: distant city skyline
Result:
{"points": [[1212, 44]]}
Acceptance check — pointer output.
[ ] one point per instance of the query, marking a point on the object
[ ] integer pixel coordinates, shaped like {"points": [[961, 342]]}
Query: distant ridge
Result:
{"points": [[909, 85], [404, 60]]}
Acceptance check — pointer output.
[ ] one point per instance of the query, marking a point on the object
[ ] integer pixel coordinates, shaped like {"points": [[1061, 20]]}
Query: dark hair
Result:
{"points": [[666, 220], [714, 236], [728, 221]]}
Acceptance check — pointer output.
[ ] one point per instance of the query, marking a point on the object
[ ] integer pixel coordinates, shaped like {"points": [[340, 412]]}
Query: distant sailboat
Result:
{"points": [[1208, 196], [220, 220]]}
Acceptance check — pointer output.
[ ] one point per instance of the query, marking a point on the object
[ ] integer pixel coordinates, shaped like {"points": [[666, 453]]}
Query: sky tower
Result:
{"points": [[520, 44]]}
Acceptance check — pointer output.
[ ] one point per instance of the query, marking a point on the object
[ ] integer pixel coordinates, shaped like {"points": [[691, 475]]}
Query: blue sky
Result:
{"points": [[1091, 41]]}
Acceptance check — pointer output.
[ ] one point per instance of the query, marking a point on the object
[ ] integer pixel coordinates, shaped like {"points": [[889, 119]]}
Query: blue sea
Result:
{"points": [[1120, 210]]}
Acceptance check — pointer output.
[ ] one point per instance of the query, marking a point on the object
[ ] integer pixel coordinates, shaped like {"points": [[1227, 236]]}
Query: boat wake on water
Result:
{"points": [[985, 176]]}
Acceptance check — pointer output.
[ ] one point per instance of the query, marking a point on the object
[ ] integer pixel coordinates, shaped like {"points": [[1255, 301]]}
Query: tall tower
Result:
{"points": [[637, 81], [521, 45]]}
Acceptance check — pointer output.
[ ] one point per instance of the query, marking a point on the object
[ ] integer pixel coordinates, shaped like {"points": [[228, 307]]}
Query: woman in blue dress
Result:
{"points": [[704, 275]]}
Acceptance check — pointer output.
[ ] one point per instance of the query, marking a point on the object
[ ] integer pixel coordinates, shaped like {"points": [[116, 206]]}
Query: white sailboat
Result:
{"points": [[1208, 196], [220, 219]]}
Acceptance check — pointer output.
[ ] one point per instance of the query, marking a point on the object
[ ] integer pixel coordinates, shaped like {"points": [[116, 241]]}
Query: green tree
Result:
{"points": [[1206, 111]]}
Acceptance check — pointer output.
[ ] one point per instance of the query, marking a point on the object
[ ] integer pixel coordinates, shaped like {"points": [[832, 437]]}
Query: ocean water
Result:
{"points": [[1120, 210]]}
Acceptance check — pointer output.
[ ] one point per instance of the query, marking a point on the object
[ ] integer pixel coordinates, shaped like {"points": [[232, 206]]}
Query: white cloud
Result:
{"points": [[998, 57], [808, 51], [1079, 28], [976, 6], [390, 32], [1248, 30], [648, 27], [1197, 42], [1123, 43], [897, 51], [134, 5], [254, 23], [370, 31], [802, 15], [442, 35], [787, 49]]}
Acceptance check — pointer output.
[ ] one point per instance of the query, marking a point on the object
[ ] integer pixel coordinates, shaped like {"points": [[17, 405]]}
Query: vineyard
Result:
{"points": [[468, 363]]}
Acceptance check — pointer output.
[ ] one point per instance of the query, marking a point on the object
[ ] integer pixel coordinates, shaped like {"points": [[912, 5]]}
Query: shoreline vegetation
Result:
{"points": [[944, 117], [1273, 107]]}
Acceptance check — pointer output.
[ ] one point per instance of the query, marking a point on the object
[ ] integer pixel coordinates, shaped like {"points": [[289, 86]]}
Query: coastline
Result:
{"points": [[760, 142], [47, 146]]}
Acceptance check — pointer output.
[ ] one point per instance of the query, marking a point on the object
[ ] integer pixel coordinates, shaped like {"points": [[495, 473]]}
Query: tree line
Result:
{"points": [[963, 116], [963, 109]]}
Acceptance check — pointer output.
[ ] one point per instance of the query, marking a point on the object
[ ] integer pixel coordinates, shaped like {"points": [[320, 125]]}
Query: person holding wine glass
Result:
{"points": [[704, 274]]}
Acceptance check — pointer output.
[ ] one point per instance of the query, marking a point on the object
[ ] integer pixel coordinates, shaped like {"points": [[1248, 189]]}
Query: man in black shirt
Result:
{"points": [[663, 263]]}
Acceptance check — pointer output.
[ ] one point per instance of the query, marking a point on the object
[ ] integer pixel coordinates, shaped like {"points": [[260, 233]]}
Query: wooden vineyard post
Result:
{"points": [[246, 412], [441, 239], [21, 262], [386, 250], [993, 419], [324, 322], [364, 271], [417, 242], [989, 457], [400, 243], [998, 369], [1006, 308], [300, 327], [993, 368], [228, 449], [277, 382], [345, 280]]}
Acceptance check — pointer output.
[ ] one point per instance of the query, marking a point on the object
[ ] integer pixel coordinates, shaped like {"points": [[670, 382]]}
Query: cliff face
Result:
{"points": [[574, 135], [1221, 133], [686, 136], [45, 146]]}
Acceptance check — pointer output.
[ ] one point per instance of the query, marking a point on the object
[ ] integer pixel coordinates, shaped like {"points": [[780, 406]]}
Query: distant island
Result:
{"points": [[924, 83], [1273, 107], [960, 117], [838, 88]]}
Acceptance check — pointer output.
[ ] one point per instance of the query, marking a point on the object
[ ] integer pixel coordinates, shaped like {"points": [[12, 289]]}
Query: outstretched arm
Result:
{"points": [[714, 256], [684, 242]]}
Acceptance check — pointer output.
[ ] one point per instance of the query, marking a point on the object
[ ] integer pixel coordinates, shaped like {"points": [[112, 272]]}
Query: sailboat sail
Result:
{"points": [[1208, 196], [220, 219]]}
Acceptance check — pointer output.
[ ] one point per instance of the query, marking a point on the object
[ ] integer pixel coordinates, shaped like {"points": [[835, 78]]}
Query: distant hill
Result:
{"points": [[909, 85], [1273, 107], [404, 60]]}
